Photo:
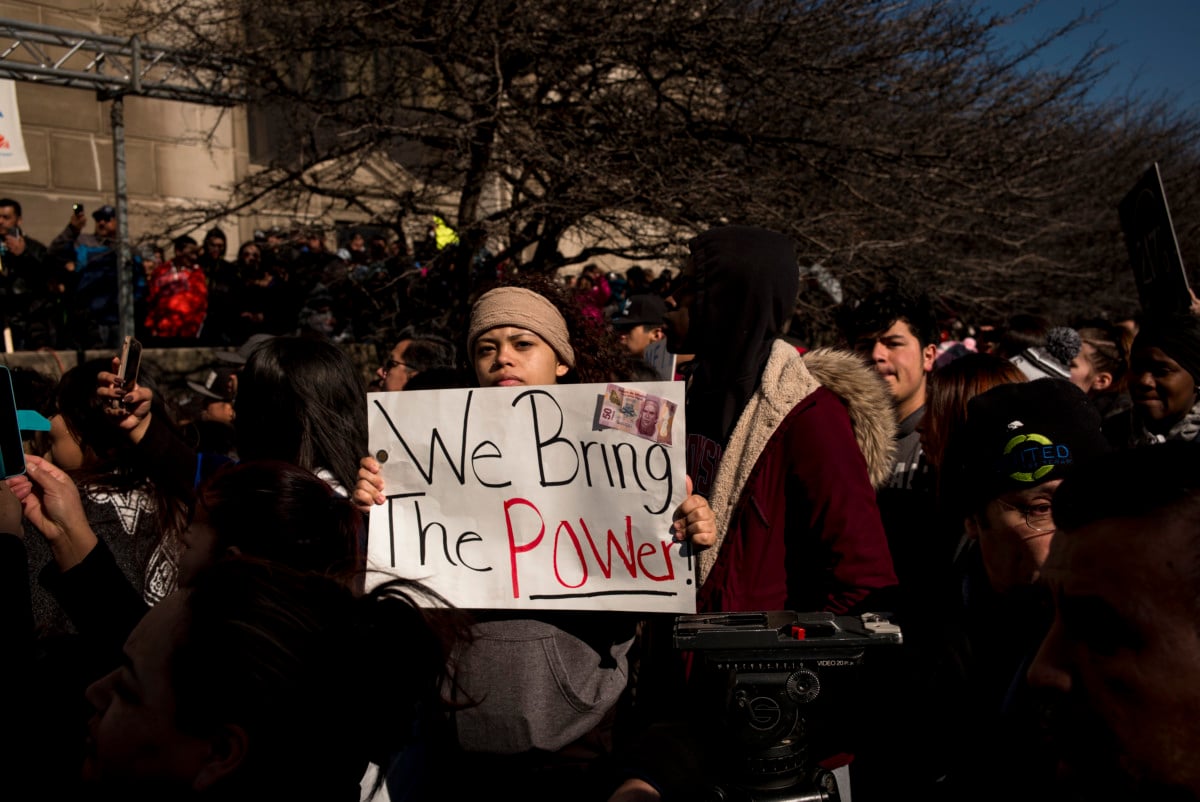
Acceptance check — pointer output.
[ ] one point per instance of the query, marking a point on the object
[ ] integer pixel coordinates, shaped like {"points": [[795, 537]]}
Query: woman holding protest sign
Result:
{"points": [[547, 684]]}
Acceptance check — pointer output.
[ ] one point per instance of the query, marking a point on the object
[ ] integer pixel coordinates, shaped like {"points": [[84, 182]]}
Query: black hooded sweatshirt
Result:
{"points": [[745, 282]]}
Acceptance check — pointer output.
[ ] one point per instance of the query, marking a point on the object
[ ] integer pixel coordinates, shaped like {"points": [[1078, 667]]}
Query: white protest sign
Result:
{"points": [[13, 158], [549, 497]]}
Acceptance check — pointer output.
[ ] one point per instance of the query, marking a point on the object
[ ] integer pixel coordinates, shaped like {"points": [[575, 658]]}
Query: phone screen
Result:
{"points": [[12, 448]]}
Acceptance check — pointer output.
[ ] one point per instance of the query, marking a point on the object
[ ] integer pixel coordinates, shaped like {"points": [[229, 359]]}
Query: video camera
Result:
{"points": [[775, 682]]}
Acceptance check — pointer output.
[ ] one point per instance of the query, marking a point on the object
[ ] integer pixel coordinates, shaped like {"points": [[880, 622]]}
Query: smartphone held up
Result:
{"points": [[127, 372]]}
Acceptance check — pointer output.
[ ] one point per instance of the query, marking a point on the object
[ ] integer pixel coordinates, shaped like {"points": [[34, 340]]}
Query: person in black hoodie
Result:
{"points": [[786, 449]]}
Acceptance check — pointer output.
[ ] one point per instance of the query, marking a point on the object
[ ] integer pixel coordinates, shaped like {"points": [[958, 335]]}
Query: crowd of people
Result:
{"points": [[65, 295], [194, 594]]}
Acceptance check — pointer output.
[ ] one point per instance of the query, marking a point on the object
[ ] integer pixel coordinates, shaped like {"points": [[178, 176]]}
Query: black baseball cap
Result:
{"points": [[105, 212], [641, 310], [216, 385]]}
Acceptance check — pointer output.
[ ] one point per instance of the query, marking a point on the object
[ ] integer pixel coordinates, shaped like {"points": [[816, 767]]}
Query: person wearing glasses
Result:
{"points": [[1018, 442], [1017, 445], [416, 352]]}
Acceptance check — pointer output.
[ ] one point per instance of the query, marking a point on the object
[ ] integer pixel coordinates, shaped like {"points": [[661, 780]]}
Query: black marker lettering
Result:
{"points": [[555, 440], [475, 455], [427, 475]]}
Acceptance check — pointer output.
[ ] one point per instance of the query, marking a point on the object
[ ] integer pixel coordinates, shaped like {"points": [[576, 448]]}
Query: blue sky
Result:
{"points": [[1157, 42]]}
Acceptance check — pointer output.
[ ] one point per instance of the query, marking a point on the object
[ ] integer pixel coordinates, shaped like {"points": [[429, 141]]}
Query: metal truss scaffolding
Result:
{"points": [[115, 67]]}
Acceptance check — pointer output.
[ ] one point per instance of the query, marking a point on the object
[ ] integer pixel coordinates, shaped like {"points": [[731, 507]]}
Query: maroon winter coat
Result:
{"points": [[793, 494]]}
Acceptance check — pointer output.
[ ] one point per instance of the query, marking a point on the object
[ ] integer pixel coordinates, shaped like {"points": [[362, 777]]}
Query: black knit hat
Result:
{"points": [[1018, 436], [1178, 337]]}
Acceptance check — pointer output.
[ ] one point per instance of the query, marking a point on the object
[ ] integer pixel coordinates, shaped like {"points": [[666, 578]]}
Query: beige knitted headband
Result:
{"points": [[526, 309]]}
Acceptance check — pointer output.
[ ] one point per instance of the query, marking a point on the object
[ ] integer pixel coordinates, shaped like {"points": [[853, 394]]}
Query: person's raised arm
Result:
{"points": [[158, 444], [50, 501], [129, 407], [84, 577]]}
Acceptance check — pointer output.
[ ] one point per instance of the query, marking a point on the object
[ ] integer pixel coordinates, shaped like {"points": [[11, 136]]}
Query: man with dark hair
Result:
{"points": [[896, 330], [215, 246], [32, 284], [223, 323], [1121, 662], [416, 352]]}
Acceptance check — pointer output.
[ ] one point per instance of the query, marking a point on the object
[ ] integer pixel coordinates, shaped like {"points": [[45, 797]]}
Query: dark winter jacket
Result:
{"points": [[797, 523], [771, 444]]}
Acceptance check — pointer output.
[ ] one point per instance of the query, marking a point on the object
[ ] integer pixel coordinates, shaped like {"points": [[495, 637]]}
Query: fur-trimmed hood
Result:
{"points": [[866, 396], [787, 380]]}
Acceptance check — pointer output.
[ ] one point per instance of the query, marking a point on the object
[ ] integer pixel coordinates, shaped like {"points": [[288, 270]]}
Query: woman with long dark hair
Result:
{"points": [[135, 515], [298, 400], [302, 401]]}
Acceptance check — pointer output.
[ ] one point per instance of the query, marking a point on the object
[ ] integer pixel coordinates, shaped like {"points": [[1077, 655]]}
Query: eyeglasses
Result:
{"points": [[1038, 517], [391, 364]]}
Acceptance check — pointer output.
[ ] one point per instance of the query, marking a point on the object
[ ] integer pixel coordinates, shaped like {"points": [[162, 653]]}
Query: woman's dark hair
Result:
{"points": [[105, 447], [110, 461], [598, 355], [430, 351], [322, 680], [281, 512], [302, 401], [950, 389]]}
